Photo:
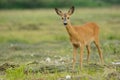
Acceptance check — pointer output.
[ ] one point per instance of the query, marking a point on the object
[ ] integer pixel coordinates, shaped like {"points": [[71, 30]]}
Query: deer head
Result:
{"points": [[65, 16]]}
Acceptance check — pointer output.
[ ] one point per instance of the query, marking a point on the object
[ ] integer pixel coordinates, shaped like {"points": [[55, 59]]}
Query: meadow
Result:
{"points": [[34, 45]]}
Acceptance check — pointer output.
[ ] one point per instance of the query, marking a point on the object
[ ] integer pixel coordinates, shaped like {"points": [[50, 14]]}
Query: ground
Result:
{"points": [[34, 45]]}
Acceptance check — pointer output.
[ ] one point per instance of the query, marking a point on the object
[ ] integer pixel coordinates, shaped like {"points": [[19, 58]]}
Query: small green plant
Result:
{"points": [[16, 73]]}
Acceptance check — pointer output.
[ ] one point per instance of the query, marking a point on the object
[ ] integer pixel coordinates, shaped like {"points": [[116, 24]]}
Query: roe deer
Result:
{"points": [[81, 36]]}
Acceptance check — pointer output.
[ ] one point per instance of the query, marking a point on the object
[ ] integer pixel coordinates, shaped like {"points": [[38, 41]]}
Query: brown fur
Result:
{"points": [[81, 36]]}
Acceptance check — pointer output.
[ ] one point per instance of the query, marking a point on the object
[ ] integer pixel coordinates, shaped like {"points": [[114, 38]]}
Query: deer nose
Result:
{"points": [[65, 23]]}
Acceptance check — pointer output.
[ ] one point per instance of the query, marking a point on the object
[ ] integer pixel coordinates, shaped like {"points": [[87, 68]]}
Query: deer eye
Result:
{"points": [[62, 18], [67, 17]]}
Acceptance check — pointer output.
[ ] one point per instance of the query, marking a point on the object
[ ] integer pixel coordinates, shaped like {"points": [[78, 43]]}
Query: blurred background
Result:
{"points": [[15, 4], [31, 31]]}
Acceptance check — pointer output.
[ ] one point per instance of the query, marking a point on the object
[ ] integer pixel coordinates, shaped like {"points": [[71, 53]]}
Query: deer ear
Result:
{"points": [[58, 12], [70, 12]]}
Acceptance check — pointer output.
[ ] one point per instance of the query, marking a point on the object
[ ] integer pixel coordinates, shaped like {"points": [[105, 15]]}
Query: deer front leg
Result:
{"points": [[74, 56], [88, 50], [81, 55]]}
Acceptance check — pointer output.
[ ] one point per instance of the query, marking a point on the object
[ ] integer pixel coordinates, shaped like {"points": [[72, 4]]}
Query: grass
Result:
{"points": [[16, 74], [28, 37]]}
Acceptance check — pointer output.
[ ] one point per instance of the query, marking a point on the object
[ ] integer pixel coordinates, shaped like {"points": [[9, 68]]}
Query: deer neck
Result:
{"points": [[71, 31]]}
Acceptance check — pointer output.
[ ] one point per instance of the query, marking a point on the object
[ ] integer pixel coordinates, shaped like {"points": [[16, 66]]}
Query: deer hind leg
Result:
{"points": [[99, 50], [88, 50], [74, 56]]}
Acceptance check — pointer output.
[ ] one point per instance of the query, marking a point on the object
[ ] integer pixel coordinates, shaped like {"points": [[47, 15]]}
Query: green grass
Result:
{"points": [[15, 74], [31, 36]]}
